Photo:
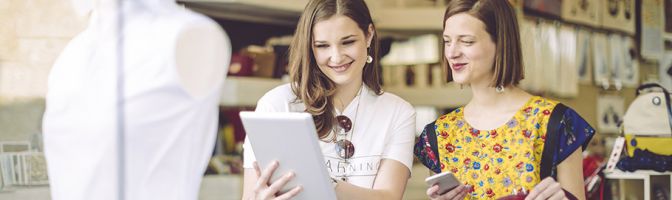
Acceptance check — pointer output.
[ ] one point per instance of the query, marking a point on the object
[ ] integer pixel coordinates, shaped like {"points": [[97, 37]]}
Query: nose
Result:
{"points": [[336, 55], [452, 51]]}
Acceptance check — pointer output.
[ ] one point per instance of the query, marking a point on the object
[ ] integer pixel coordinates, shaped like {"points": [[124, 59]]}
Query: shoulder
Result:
{"points": [[281, 93], [543, 103], [451, 116], [391, 100]]}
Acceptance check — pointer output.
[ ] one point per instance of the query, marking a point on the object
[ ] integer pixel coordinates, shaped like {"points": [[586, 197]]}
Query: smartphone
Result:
{"points": [[445, 180]]}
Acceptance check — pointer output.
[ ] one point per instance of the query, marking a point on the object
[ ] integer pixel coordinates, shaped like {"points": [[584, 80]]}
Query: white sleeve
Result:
{"points": [[272, 101], [399, 146]]}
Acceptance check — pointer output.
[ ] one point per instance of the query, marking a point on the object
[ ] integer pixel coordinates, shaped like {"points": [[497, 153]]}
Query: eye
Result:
{"points": [[321, 46], [446, 42], [348, 42], [468, 42]]}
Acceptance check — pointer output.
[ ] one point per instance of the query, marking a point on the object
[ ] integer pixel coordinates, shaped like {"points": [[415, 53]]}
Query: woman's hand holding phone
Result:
{"points": [[446, 186]]}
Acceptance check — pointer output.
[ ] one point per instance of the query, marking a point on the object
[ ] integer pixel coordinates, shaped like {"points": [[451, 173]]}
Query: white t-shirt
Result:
{"points": [[383, 128]]}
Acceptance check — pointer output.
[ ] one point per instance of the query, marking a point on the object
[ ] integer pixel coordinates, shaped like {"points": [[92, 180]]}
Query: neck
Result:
{"points": [[345, 94], [485, 96]]}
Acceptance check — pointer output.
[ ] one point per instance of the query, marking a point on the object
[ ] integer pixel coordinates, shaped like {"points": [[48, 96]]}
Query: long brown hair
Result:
{"points": [[502, 26], [309, 84]]}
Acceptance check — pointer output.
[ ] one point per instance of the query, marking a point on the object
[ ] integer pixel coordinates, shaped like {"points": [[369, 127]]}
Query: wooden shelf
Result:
{"points": [[246, 91], [409, 19], [440, 97], [639, 174], [647, 178]]}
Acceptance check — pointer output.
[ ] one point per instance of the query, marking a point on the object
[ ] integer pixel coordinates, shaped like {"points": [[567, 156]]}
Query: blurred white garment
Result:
{"points": [[170, 115]]}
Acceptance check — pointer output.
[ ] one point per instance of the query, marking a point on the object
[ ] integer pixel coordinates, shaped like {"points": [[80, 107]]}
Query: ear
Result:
{"points": [[369, 35]]}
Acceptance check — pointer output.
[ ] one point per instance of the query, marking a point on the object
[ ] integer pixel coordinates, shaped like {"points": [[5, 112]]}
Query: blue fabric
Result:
{"points": [[426, 149], [574, 132]]}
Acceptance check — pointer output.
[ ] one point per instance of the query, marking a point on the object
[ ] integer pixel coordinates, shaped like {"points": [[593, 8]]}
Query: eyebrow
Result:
{"points": [[343, 38], [459, 36]]}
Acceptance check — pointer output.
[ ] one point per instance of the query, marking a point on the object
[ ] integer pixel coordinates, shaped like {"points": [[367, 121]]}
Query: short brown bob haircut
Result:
{"points": [[501, 24]]}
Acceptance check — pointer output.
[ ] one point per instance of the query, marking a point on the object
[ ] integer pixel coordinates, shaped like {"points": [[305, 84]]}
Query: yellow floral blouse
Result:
{"points": [[497, 162]]}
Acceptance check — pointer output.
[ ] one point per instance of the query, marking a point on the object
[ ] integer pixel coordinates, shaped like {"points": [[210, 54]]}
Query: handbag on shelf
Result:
{"points": [[647, 124], [647, 128]]}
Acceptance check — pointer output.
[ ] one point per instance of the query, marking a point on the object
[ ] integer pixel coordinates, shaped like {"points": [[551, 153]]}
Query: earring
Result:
{"points": [[499, 89], [369, 59]]}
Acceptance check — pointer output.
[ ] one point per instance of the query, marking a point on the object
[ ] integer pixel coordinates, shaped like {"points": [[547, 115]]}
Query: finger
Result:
{"points": [[265, 176], [278, 184], [560, 195], [549, 191], [431, 191], [461, 195], [539, 187], [453, 192], [256, 168], [291, 193]]}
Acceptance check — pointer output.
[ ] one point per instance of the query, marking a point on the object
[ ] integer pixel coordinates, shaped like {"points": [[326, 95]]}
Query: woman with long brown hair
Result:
{"points": [[366, 135]]}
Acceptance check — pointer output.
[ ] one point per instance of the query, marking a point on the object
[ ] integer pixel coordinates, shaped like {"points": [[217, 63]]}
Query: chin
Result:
{"points": [[460, 80]]}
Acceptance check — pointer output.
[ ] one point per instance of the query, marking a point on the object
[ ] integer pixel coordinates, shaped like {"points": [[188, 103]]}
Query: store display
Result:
{"points": [[616, 58], [423, 49], [600, 62], [422, 75], [545, 7], [583, 52], [610, 111], [581, 11], [241, 65], [568, 80], [159, 93], [618, 15], [651, 37], [630, 71], [549, 57], [534, 80], [664, 69], [668, 16]]}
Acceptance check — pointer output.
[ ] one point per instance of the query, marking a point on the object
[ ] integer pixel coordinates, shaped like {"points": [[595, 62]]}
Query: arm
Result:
{"points": [[568, 177], [390, 183], [249, 179], [568, 180], [394, 170], [572, 140]]}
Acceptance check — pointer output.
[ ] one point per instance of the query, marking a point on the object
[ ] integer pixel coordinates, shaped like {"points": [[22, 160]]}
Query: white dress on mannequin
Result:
{"points": [[175, 62]]}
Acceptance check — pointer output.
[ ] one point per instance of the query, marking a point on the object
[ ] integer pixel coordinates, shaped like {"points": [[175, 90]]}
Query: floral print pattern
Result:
{"points": [[503, 160]]}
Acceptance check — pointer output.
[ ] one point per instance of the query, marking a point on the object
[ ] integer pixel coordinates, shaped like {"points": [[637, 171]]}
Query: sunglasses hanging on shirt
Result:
{"points": [[344, 147]]}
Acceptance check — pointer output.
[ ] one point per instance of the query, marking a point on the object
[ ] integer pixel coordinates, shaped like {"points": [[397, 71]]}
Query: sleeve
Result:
{"points": [[426, 149], [400, 144], [573, 132], [267, 103]]}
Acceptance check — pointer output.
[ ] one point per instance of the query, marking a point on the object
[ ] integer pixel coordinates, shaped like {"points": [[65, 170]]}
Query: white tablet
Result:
{"points": [[291, 139]]}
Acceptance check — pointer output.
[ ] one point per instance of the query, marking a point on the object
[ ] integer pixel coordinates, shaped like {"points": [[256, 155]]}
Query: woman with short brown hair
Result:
{"points": [[505, 141]]}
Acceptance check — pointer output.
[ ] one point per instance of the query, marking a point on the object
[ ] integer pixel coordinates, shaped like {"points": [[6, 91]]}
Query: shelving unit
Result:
{"points": [[246, 91], [287, 12], [647, 177]]}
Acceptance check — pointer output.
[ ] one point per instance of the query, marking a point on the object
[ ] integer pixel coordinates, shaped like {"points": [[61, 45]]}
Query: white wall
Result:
{"points": [[32, 34]]}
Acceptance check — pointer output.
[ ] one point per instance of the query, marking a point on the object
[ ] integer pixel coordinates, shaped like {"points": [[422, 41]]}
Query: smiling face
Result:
{"points": [[469, 50], [340, 49]]}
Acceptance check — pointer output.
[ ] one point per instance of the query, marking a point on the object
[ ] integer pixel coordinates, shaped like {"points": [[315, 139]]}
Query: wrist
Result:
{"points": [[334, 182]]}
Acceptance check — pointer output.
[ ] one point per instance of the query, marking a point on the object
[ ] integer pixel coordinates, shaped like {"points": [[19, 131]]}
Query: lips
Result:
{"points": [[341, 68], [458, 66]]}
